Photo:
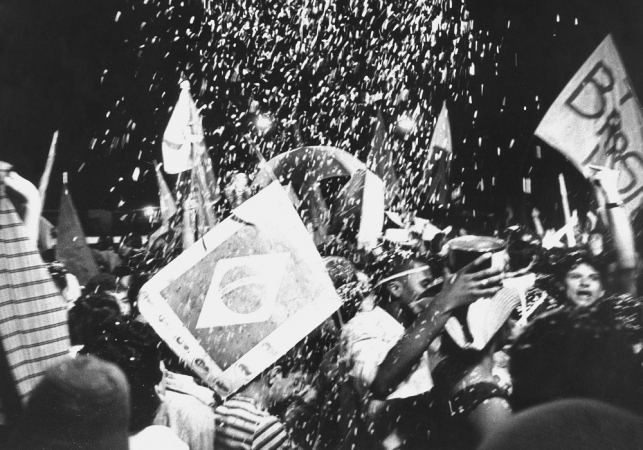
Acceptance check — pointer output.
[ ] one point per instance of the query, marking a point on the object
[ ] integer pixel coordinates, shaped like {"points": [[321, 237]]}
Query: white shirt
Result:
{"points": [[156, 437]]}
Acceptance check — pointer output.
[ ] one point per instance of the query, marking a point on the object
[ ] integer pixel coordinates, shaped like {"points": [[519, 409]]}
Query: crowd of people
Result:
{"points": [[460, 342]]}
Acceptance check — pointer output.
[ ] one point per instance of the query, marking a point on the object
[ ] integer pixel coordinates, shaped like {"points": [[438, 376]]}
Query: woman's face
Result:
{"points": [[583, 285]]}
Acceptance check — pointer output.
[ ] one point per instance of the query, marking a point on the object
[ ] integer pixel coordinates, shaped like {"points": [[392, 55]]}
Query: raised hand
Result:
{"points": [[470, 283]]}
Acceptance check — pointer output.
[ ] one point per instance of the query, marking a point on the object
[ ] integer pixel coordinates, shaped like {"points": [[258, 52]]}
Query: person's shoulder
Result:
{"points": [[157, 437]]}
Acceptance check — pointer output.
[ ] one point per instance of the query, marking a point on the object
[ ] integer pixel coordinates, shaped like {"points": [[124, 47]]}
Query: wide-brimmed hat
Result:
{"points": [[81, 403], [484, 318]]}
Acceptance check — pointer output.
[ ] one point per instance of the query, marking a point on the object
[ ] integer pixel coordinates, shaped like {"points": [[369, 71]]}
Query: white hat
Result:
{"points": [[484, 318]]}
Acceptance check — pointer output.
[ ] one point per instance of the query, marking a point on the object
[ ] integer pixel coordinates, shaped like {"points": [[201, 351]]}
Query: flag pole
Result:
{"points": [[44, 180]]}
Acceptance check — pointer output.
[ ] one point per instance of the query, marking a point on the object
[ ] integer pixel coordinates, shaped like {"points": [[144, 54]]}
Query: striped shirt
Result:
{"points": [[242, 425], [33, 315]]}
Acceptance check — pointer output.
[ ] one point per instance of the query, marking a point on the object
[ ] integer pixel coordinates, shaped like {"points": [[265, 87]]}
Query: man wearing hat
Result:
{"points": [[398, 382]]}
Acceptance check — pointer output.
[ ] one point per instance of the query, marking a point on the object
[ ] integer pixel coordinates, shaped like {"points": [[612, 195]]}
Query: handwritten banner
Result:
{"points": [[243, 295], [598, 120]]}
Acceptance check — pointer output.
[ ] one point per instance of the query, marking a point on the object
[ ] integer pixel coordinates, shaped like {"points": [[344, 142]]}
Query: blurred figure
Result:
{"points": [[569, 424], [238, 189], [245, 421], [88, 316], [159, 419], [113, 286], [584, 352], [80, 404]]}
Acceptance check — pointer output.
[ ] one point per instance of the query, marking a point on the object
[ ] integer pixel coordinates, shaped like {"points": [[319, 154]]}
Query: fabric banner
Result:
{"points": [[181, 133], [598, 120], [184, 149], [243, 295], [71, 246], [33, 314], [436, 170]]}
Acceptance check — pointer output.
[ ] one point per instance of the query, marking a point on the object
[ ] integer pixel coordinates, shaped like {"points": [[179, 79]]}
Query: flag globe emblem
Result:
{"points": [[243, 290]]}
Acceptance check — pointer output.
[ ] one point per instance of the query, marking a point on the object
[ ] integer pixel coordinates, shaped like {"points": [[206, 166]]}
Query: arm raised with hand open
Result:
{"points": [[26, 198], [460, 289]]}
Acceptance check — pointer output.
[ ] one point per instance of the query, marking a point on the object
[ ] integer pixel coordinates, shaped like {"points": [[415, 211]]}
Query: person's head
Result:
{"points": [[406, 287], [89, 315], [134, 347], [569, 423], [402, 278], [105, 242], [581, 277], [340, 270], [238, 190], [583, 284], [112, 285], [522, 248], [576, 352], [81, 403], [130, 245]]}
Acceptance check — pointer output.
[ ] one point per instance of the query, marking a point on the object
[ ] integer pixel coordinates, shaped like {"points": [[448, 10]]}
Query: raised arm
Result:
{"points": [[460, 289], [606, 181], [26, 198]]}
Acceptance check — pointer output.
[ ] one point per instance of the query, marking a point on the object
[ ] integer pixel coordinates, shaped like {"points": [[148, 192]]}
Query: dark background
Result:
{"points": [[105, 73]]}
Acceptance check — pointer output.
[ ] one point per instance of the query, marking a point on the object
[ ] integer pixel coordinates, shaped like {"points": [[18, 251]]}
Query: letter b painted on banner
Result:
{"points": [[588, 99]]}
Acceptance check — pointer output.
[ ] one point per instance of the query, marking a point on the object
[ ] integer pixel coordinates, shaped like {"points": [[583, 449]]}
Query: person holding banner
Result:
{"points": [[583, 278], [394, 386]]}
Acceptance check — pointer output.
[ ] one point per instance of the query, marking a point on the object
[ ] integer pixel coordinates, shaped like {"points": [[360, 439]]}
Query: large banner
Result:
{"points": [[243, 295], [598, 120]]}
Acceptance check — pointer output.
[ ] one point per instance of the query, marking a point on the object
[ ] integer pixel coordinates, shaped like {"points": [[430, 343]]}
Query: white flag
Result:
{"points": [[598, 120], [183, 138]]}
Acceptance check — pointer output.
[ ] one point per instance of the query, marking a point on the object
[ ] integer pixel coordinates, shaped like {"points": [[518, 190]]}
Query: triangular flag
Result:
{"points": [[597, 120], [436, 170], [380, 160], [71, 247], [182, 131], [167, 203], [34, 330]]}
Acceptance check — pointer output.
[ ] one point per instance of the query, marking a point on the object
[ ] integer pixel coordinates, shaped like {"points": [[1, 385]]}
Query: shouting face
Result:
{"points": [[583, 285]]}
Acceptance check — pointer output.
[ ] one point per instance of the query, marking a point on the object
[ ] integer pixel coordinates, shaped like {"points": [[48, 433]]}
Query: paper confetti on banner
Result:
{"points": [[243, 295], [597, 120]]}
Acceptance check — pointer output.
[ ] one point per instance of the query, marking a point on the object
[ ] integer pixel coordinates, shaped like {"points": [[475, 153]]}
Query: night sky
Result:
{"points": [[105, 73]]}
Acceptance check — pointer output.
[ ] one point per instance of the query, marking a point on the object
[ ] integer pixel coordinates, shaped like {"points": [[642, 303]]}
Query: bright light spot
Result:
{"points": [[149, 211], [405, 124], [263, 122]]}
